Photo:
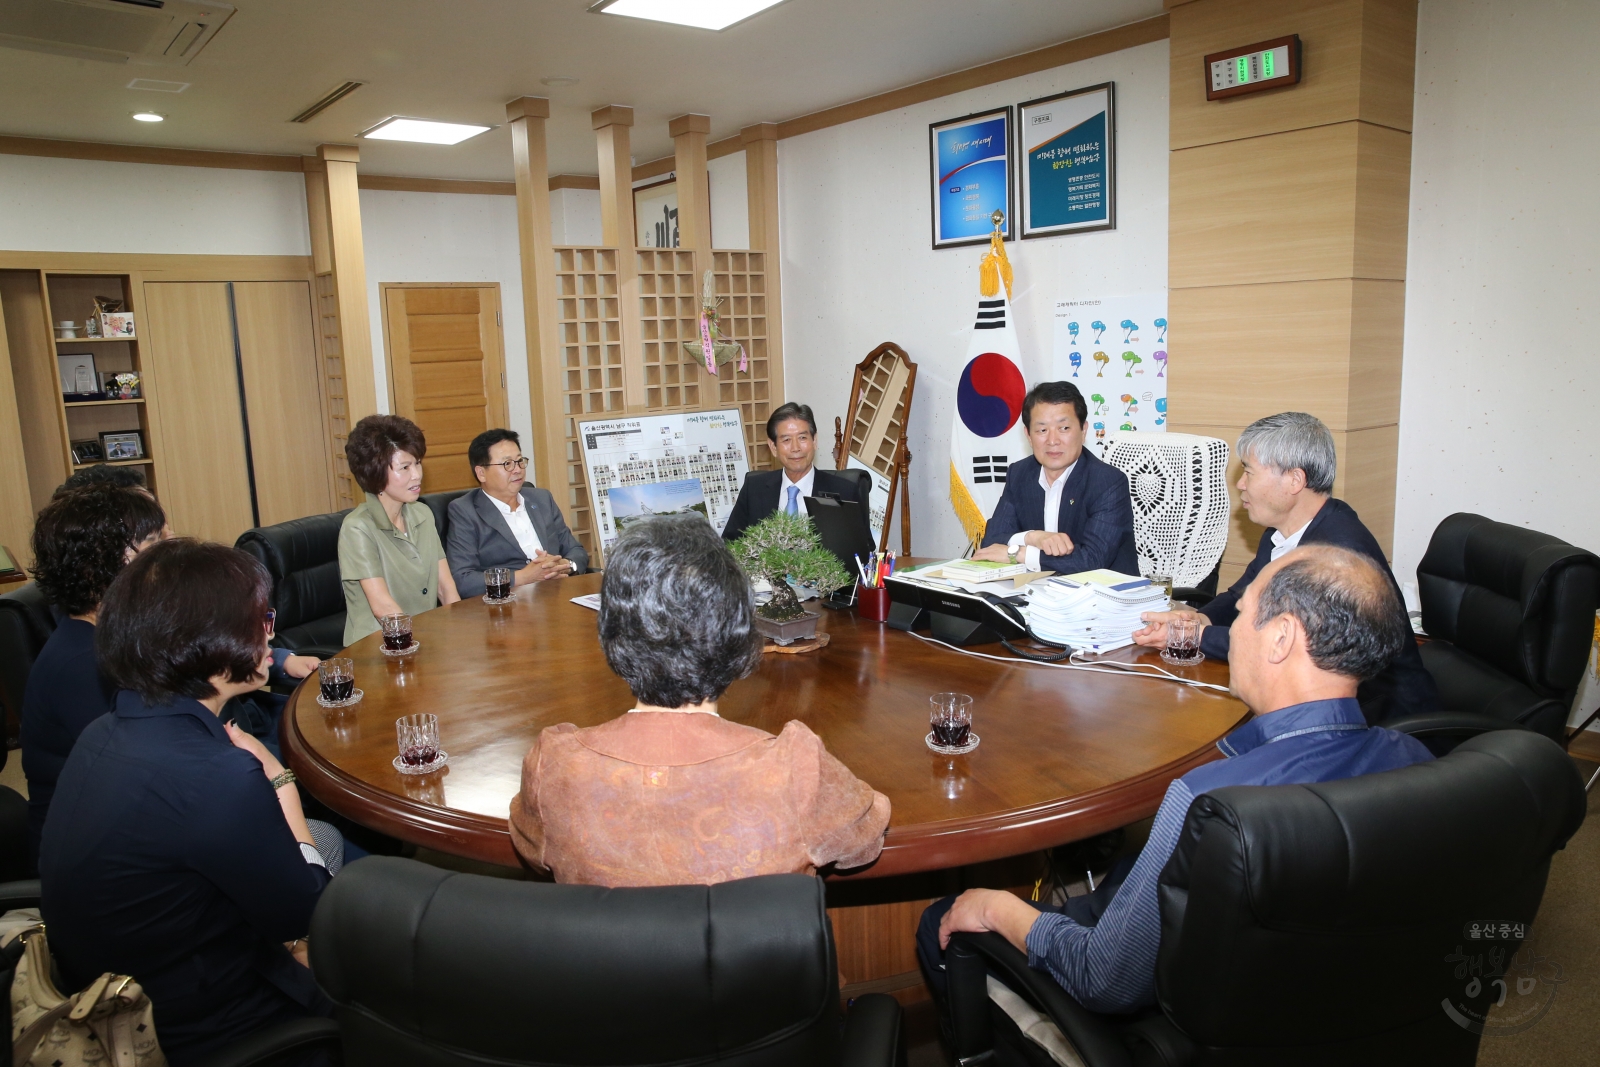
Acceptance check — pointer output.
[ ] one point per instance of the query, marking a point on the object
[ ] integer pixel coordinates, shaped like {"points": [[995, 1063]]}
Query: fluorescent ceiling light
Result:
{"points": [[148, 116], [703, 14], [423, 130]]}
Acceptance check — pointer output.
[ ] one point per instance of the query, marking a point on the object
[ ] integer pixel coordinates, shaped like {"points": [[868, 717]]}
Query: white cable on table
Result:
{"points": [[1136, 670]]}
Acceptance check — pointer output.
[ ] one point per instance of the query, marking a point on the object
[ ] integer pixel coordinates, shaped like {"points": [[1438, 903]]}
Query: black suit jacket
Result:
{"points": [[1096, 512], [1405, 687], [479, 537], [758, 497]]}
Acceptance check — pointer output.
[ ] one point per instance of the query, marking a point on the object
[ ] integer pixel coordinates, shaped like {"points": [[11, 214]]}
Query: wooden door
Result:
{"points": [[203, 474], [446, 371], [278, 358]]}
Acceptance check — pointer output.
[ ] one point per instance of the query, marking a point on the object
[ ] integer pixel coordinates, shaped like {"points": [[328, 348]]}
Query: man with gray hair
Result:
{"points": [[1310, 626], [1287, 487]]}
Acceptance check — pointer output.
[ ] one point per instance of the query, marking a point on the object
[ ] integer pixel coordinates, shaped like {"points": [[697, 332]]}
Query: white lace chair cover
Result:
{"points": [[1179, 486]]}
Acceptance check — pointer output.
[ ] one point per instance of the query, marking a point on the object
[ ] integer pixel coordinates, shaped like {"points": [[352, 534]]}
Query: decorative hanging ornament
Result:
{"points": [[717, 350]]}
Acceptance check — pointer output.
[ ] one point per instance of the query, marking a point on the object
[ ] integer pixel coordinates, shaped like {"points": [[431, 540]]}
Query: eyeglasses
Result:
{"points": [[510, 465], [272, 621]]}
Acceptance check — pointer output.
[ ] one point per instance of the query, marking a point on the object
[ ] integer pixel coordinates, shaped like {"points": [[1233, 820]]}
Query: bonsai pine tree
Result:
{"points": [[783, 546]]}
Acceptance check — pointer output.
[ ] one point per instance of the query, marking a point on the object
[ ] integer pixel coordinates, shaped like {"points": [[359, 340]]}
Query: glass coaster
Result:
{"points": [[398, 653], [353, 698], [953, 750], [498, 600], [422, 768], [1168, 657]]}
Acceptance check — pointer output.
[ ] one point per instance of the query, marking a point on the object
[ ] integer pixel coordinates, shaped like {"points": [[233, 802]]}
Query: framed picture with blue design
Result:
{"points": [[970, 164], [1068, 175]]}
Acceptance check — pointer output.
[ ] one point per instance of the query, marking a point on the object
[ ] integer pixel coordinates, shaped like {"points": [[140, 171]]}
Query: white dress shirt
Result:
{"points": [[521, 525], [1282, 545], [1052, 515], [804, 485]]}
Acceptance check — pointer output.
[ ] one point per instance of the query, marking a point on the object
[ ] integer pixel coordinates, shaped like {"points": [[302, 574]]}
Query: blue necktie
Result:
{"points": [[794, 500]]}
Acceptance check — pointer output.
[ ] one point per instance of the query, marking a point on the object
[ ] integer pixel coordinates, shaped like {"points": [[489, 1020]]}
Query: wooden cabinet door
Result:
{"points": [[278, 359], [193, 395], [446, 371]]}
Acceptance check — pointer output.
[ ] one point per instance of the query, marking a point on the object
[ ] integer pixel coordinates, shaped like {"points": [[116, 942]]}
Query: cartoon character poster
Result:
{"points": [[1114, 349]]}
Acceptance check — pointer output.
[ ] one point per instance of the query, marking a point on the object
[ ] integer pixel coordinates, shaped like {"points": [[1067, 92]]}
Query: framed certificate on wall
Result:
{"points": [[1069, 153], [970, 171]]}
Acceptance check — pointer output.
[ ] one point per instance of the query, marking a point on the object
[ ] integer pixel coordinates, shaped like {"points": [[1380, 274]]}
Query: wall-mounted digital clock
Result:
{"points": [[1265, 65]]}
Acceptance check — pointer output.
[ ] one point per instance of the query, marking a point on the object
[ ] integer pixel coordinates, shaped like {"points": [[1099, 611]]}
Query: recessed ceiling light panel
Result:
{"points": [[148, 116], [702, 14], [424, 131], [155, 85]]}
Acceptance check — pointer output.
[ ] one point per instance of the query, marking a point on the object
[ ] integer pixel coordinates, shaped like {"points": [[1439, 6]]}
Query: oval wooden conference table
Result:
{"points": [[1064, 754]]}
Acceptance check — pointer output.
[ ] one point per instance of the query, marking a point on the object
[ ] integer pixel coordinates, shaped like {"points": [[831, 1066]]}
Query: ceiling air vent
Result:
{"points": [[155, 32]]}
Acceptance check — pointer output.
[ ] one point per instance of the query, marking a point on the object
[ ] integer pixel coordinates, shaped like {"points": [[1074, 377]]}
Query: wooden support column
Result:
{"points": [[347, 260], [761, 184], [1287, 237], [526, 116], [16, 518], [613, 138], [694, 187]]}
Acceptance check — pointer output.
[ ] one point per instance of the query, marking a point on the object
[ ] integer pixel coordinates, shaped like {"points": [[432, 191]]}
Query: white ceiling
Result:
{"points": [[461, 60]]}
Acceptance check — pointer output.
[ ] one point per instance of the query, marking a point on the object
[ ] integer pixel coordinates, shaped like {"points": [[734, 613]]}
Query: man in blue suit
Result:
{"points": [[1063, 510], [1287, 487]]}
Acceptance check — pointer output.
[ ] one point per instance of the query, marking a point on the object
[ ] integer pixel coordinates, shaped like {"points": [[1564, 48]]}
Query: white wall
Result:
{"points": [[1500, 382], [84, 205], [449, 237], [575, 216], [858, 269], [730, 205]]}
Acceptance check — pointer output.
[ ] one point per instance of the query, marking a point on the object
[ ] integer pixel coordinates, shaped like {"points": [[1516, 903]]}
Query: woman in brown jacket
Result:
{"points": [[671, 793]]}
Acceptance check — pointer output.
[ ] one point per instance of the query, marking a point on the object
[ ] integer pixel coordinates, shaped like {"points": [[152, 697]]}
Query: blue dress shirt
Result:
{"points": [[1111, 967], [166, 856]]}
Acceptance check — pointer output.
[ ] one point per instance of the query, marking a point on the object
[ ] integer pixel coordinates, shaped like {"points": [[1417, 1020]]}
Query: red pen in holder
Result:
{"points": [[872, 603]]}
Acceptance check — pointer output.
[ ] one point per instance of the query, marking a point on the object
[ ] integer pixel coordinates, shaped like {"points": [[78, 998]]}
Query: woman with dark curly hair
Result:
{"points": [[177, 849], [390, 557], [81, 541]]}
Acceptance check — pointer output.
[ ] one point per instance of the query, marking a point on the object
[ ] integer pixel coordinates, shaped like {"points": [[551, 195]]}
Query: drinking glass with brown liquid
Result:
{"points": [[950, 723], [396, 632]]}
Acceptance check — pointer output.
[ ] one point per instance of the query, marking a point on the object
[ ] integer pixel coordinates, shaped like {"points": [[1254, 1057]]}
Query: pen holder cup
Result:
{"points": [[872, 603]]}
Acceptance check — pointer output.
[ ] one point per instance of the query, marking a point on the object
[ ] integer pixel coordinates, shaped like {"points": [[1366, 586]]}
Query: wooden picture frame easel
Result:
{"points": [[879, 412]]}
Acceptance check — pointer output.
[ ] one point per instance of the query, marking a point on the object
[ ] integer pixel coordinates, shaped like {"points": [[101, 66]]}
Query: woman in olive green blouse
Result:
{"points": [[390, 556]]}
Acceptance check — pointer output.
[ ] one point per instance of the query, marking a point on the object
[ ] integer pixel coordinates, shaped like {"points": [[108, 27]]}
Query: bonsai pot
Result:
{"points": [[787, 633]]}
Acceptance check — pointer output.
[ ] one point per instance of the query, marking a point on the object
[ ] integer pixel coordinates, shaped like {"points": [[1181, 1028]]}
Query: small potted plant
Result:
{"points": [[781, 547]]}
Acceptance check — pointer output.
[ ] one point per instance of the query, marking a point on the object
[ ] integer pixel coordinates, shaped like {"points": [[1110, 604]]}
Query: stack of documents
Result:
{"points": [[982, 570], [1095, 611]]}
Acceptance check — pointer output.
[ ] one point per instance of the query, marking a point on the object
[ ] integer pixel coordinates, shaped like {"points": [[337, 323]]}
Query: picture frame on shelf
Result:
{"points": [[78, 373], [122, 445], [87, 452], [1068, 175], [970, 164]]}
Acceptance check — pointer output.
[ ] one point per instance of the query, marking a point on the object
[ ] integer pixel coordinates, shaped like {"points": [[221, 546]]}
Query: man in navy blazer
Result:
{"points": [[507, 523], [1287, 487], [792, 439], [1062, 510]]}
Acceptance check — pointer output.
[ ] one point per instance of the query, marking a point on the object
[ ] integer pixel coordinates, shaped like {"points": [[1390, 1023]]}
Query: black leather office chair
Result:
{"points": [[427, 966], [1511, 615], [439, 504], [26, 623], [302, 556], [1318, 924]]}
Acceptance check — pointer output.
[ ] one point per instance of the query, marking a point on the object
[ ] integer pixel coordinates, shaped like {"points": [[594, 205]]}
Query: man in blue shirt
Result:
{"points": [[1310, 628]]}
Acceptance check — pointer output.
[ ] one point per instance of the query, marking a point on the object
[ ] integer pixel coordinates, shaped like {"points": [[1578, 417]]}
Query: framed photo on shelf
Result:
{"points": [[122, 444], [1069, 154], [78, 373], [87, 452], [969, 162]]}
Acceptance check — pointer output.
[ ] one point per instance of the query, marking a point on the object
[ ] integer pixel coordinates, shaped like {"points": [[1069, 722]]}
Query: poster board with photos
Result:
{"points": [[970, 160], [663, 464], [1068, 171]]}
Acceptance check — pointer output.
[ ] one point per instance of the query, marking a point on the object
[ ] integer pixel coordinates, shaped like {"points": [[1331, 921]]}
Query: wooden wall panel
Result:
{"points": [[36, 380], [1357, 57], [16, 516], [1328, 202], [277, 346], [194, 400], [1331, 348]]}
